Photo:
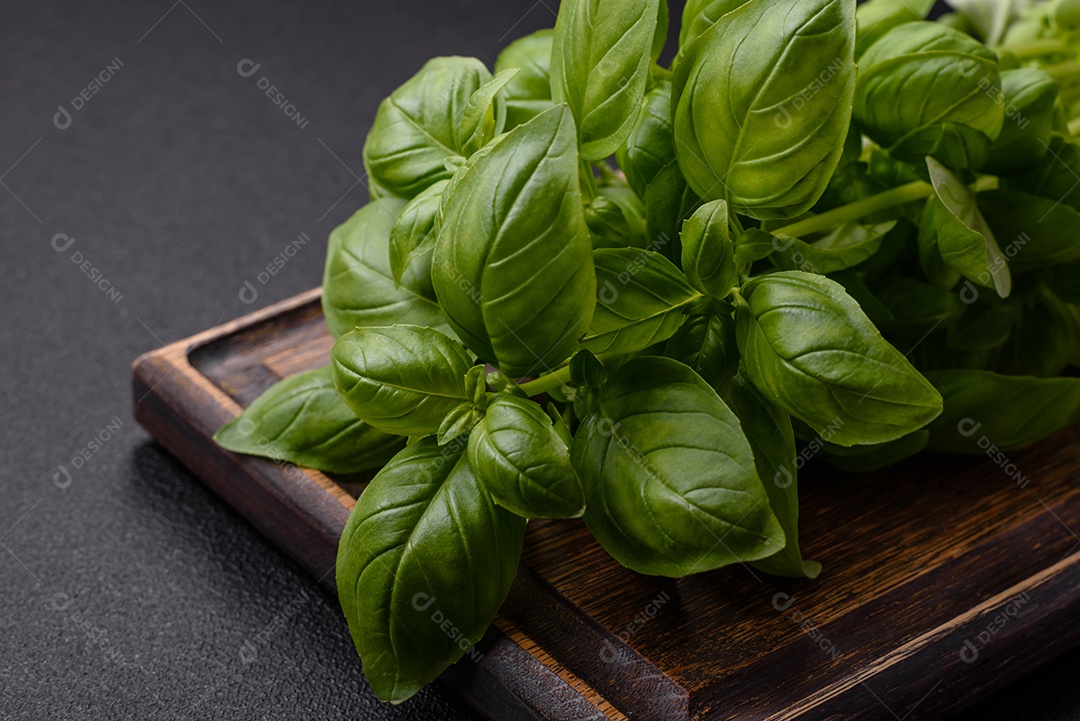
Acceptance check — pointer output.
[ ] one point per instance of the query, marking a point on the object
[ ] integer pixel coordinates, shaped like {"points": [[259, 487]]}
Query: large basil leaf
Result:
{"points": [[413, 236], [421, 125], [359, 289], [523, 462], [1030, 97], [425, 562], [767, 138], [529, 92], [706, 343], [843, 248], [303, 420], [1035, 232], [768, 429], [641, 300], [513, 260], [708, 255], [699, 15], [877, 17], [670, 482], [402, 379], [974, 420], [809, 348], [599, 66]]}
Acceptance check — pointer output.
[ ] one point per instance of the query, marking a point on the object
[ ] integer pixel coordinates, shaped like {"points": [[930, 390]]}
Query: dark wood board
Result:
{"points": [[944, 577]]}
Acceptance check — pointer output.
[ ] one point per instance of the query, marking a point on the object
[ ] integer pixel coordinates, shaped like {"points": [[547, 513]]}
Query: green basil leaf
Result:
{"points": [[973, 420], [864, 459], [708, 255], [616, 219], [641, 300], [663, 19], [707, 344], [988, 18], [1030, 97], [402, 379], [809, 348], [425, 562], [1055, 177], [669, 478], [954, 76], [1064, 281], [303, 420], [518, 285], [768, 138], [529, 92], [458, 422], [699, 15], [359, 289], [847, 246], [419, 126], [485, 115], [916, 308], [523, 462], [1036, 232], [1044, 341], [877, 17], [768, 429], [599, 66], [965, 241], [413, 236], [985, 325]]}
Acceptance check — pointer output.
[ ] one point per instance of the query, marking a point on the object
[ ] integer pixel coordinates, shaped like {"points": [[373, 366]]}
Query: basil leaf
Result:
{"points": [[419, 126], [1044, 340], [529, 92], [1055, 177], [809, 348], [847, 246], [1037, 232], [513, 261], [485, 115], [954, 76], [1030, 97], [973, 420], [413, 236], [641, 300], [616, 219], [599, 66], [877, 17], [864, 459], [708, 255], [523, 462], [768, 138], [916, 309], [768, 429], [707, 344], [303, 420], [359, 289], [964, 239], [699, 15], [985, 325], [663, 19], [669, 478], [425, 562], [403, 379]]}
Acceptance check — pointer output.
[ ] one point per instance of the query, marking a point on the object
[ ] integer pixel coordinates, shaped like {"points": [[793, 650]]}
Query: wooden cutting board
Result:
{"points": [[943, 578]]}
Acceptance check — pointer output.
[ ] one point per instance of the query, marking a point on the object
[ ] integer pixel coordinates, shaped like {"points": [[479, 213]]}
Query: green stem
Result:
{"points": [[1063, 71], [853, 211], [550, 382], [1035, 48]]}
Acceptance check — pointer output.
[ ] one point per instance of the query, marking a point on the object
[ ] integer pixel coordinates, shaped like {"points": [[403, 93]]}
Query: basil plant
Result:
{"points": [[593, 285]]}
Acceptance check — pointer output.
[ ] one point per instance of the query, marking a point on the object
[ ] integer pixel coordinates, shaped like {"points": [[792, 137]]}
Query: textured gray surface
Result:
{"points": [[126, 589]]}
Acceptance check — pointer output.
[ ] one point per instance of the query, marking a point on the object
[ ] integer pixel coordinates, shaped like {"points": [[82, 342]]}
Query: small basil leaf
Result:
{"points": [[587, 371], [864, 459], [809, 348], [523, 462], [755, 244], [877, 17], [458, 422], [955, 77], [768, 429], [403, 379], [529, 92], [485, 115], [916, 309], [599, 66], [973, 419], [303, 420], [743, 137], [1036, 232], [359, 289], [419, 126], [668, 474], [412, 238], [424, 563], [707, 344], [1030, 97], [847, 246], [616, 219], [708, 255], [984, 325], [518, 286], [641, 300], [650, 146], [1055, 177]]}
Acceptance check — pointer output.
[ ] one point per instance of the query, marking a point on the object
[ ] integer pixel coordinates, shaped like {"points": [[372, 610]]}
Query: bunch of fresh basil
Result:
{"points": [[588, 284]]}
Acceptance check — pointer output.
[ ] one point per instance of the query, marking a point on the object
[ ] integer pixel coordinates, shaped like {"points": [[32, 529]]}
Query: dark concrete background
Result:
{"points": [[127, 590]]}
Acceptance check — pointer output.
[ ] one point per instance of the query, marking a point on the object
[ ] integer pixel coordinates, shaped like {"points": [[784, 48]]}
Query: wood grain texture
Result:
{"points": [[943, 576]]}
